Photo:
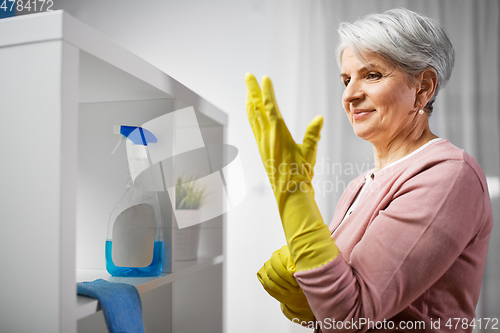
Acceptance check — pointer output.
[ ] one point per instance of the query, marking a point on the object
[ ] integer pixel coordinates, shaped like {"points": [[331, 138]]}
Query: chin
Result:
{"points": [[361, 132]]}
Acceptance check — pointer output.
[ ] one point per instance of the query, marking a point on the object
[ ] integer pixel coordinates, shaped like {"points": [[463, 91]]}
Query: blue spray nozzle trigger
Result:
{"points": [[136, 134]]}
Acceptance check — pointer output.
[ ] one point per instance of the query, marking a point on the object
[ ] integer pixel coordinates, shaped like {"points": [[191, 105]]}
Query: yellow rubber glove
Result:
{"points": [[277, 279], [290, 173]]}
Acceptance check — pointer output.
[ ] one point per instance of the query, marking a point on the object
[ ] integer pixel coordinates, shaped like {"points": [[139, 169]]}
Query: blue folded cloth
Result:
{"points": [[120, 303]]}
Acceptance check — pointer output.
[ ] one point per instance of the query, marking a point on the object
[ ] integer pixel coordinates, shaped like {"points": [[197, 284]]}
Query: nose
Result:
{"points": [[352, 92]]}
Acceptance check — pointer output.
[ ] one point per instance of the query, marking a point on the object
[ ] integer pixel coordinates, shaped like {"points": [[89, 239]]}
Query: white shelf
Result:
{"points": [[87, 306], [108, 71], [60, 79]]}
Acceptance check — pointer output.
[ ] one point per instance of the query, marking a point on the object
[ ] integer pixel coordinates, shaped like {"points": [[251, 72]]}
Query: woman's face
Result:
{"points": [[379, 99]]}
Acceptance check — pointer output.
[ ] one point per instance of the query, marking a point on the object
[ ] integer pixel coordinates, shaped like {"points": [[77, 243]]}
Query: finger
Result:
{"points": [[254, 94], [311, 138], [286, 278], [260, 273], [280, 261], [253, 88], [279, 285], [267, 282], [287, 262], [269, 100], [288, 281], [252, 119], [304, 314], [279, 297], [276, 295]]}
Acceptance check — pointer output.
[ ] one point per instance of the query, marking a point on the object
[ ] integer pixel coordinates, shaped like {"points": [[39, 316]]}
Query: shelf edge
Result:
{"points": [[86, 306]]}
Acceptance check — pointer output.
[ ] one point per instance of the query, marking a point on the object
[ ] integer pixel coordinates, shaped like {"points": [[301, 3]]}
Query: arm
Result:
{"points": [[408, 246]]}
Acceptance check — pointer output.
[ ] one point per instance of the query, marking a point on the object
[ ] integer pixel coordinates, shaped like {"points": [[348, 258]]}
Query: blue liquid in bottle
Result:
{"points": [[154, 269]]}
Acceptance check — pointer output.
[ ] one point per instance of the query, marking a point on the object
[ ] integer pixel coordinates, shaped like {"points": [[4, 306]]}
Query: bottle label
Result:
{"points": [[133, 237]]}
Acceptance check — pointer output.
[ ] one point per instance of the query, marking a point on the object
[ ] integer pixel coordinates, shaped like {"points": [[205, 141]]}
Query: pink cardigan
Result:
{"points": [[413, 252]]}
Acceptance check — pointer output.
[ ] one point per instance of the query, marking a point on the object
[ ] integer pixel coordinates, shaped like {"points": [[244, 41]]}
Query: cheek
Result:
{"points": [[395, 100], [405, 96], [384, 97]]}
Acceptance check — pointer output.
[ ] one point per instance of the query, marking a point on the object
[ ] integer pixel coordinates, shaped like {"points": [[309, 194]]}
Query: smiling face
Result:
{"points": [[379, 99]]}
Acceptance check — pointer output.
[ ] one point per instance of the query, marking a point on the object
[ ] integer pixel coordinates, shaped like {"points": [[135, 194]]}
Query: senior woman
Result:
{"points": [[407, 246]]}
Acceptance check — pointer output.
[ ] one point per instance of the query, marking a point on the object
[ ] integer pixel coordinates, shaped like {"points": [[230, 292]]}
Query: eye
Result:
{"points": [[374, 76], [346, 82]]}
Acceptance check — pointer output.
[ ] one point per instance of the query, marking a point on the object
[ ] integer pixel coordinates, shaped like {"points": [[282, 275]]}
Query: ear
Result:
{"points": [[427, 82]]}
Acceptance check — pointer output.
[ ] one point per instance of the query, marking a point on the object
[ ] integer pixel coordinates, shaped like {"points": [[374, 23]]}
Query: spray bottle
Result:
{"points": [[134, 243]]}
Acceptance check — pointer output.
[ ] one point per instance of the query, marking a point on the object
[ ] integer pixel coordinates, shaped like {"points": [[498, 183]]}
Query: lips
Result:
{"points": [[359, 114]]}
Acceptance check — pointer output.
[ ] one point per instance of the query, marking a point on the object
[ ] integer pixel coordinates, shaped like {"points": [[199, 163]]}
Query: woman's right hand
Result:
{"points": [[277, 279]]}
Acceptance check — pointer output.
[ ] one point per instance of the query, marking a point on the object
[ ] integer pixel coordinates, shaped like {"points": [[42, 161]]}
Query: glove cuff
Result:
{"points": [[308, 253]]}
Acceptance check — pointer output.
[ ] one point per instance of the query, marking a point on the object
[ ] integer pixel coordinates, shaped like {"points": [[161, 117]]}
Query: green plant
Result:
{"points": [[188, 195]]}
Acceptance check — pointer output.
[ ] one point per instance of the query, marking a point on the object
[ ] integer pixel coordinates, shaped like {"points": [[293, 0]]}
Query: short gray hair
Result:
{"points": [[410, 40]]}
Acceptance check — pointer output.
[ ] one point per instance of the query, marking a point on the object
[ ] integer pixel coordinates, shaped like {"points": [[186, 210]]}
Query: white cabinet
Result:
{"points": [[62, 88]]}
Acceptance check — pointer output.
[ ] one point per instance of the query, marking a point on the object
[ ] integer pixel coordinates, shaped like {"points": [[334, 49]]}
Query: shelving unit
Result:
{"points": [[63, 87]]}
